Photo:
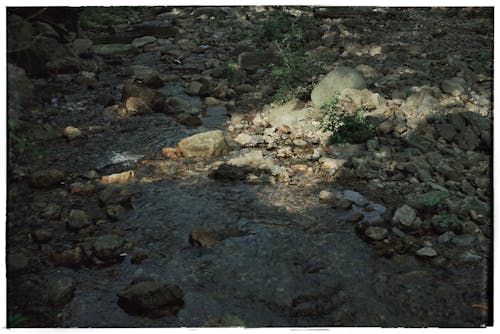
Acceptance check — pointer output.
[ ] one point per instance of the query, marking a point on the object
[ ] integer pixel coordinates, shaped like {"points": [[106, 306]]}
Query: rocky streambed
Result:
{"points": [[157, 179]]}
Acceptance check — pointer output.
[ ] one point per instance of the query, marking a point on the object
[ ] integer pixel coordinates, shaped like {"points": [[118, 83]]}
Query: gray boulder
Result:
{"points": [[335, 82]]}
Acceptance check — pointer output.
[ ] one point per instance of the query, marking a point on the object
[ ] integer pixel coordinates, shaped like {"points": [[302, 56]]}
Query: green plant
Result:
{"points": [[230, 68], [486, 56], [345, 128]]}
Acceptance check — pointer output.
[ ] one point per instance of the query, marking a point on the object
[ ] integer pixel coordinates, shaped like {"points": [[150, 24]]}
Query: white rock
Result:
{"points": [[426, 252]]}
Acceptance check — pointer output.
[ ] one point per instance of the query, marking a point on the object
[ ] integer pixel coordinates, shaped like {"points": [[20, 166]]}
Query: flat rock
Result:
{"points": [[376, 233], [426, 252], [106, 50], [151, 298], [204, 145], [108, 246]]}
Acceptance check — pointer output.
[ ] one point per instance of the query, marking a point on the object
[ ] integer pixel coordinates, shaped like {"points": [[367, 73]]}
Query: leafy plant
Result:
{"points": [[345, 128]]}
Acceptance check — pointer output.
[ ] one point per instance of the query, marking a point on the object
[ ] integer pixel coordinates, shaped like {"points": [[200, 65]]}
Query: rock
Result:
{"points": [[203, 237], [138, 257], [116, 194], [61, 291], [81, 188], [446, 222], [137, 106], [446, 131], [71, 132], [326, 196], [175, 105], [51, 211], [197, 88], [453, 86], [446, 237], [69, 258], [243, 139], [151, 298], [335, 82], [376, 233], [65, 65], [41, 236], [252, 159], [154, 80], [405, 216], [204, 145], [123, 177], [108, 247], [426, 252], [154, 99], [78, 220], [114, 211], [189, 120], [291, 114], [470, 257], [17, 263], [86, 79], [362, 99], [467, 140], [108, 50], [226, 320], [82, 46], [170, 152], [46, 178], [212, 101], [228, 173], [142, 41], [330, 38], [253, 60], [463, 240]]}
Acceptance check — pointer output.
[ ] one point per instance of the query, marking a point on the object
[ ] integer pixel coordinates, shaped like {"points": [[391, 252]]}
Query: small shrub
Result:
{"points": [[345, 128]]}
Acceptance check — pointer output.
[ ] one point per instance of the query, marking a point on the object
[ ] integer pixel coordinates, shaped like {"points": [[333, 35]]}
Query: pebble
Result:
{"points": [[69, 258], [116, 194], [72, 133], [41, 236], [426, 252], [46, 178], [446, 237], [108, 246], [405, 216], [376, 233]]}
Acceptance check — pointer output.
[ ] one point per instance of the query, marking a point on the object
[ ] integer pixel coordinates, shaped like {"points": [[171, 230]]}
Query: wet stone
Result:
{"points": [[229, 173], [151, 299], [204, 145], [61, 291], [69, 258], [114, 211], [108, 247], [51, 211], [376, 233], [78, 220], [203, 237], [71, 132], [46, 178], [446, 237], [116, 194], [41, 236]]}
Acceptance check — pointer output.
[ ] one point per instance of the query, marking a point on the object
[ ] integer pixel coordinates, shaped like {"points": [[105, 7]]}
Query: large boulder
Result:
{"points": [[335, 82], [204, 145]]}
